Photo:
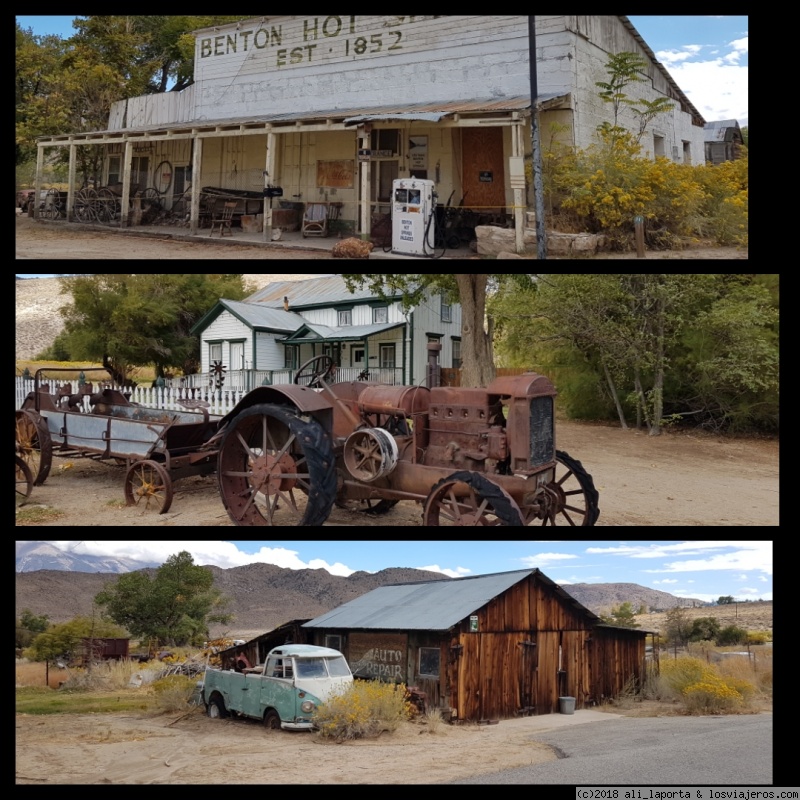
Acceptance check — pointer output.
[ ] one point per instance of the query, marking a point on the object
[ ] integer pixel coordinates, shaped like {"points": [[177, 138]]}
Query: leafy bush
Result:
{"points": [[732, 634], [364, 711]]}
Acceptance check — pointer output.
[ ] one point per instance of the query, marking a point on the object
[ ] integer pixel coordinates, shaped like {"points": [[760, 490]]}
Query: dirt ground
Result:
{"points": [[676, 479], [49, 240], [111, 748], [54, 241]]}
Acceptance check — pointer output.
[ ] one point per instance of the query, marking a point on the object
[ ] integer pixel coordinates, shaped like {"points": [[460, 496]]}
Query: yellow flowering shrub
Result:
{"points": [[711, 697], [364, 711], [603, 187]]}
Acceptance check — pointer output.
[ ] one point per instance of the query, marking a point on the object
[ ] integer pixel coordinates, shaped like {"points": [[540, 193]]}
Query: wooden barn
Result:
{"points": [[485, 647]]}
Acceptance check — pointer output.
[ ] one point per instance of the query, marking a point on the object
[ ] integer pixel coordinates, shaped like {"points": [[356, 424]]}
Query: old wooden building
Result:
{"points": [[485, 647]]}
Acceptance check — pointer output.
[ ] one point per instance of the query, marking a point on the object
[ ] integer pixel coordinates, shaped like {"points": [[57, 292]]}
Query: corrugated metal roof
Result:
{"points": [[428, 606], [322, 291], [351, 332], [264, 317]]}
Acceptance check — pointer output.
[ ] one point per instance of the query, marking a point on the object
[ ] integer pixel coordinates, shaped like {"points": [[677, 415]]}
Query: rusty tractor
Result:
{"points": [[470, 457]]}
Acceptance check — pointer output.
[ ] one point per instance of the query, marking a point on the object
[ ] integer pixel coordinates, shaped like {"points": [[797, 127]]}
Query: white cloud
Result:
{"points": [[458, 572], [741, 578], [665, 580], [544, 559], [222, 554]]}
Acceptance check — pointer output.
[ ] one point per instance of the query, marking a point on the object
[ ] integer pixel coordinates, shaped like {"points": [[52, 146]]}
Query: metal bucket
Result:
{"points": [[566, 705]]}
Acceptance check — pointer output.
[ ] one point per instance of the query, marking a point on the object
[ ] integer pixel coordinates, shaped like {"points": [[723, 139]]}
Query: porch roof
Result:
{"points": [[352, 333], [340, 118]]}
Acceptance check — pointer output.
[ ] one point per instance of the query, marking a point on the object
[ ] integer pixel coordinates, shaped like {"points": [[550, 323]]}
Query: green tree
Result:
{"points": [[623, 616], [624, 69], [726, 600], [745, 136], [175, 607], [704, 629], [470, 290], [732, 634], [28, 626], [677, 627], [137, 320], [64, 640]]}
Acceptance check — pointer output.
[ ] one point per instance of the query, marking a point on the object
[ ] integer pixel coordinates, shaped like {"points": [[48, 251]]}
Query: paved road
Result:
{"points": [[662, 751]]}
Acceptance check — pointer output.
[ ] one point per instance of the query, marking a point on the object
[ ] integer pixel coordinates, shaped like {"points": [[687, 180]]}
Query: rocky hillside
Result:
{"points": [[264, 596], [39, 301]]}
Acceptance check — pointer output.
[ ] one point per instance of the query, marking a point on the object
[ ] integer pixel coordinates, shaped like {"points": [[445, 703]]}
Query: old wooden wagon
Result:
{"points": [[486, 647], [158, 446]]}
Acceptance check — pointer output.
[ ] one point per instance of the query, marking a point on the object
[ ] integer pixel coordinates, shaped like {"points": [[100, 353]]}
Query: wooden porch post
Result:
{"points": [[197, 161]]}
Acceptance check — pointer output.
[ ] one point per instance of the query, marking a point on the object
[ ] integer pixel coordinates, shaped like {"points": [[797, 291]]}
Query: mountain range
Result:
{"points": [[33, 556], [263, 596]]}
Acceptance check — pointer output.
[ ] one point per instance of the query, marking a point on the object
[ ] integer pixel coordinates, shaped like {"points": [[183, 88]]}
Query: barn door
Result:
{"points": [[529, 663], [483, 169]]}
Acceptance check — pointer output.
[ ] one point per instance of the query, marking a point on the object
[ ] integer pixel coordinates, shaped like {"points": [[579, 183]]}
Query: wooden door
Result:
{"points": [[483, 169]]}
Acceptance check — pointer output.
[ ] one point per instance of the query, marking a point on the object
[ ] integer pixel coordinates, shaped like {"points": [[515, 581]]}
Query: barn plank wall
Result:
{"points": [[531, 646]]}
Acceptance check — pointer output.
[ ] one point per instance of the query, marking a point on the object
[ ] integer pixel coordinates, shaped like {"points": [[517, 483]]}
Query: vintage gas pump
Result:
{"points": [[413, 223]]}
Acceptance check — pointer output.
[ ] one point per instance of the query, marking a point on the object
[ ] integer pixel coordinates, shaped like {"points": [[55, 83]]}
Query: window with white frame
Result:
{"points": [[387, 356], [456, 353], [380, 315], [214, 352], [345, 317], [447, 310]]}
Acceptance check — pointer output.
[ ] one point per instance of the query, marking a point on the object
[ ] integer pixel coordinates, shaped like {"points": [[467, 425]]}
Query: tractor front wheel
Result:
{"points": [[470, 499]]}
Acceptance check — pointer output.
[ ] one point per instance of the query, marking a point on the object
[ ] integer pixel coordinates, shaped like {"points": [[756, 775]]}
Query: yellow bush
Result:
{"points": [[711, 697], [685, 671], [605, 186], [365, 710]]}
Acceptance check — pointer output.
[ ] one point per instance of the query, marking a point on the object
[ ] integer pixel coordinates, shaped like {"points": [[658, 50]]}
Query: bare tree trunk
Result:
{"points": [[613, 389], [642, 398], [476, 344], [658, 382]]}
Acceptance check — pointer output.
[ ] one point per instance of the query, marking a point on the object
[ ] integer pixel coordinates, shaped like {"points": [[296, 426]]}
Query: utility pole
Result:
{"points": [[538, 184]]}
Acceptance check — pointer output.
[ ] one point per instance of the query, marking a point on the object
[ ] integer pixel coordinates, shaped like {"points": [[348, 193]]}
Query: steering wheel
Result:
{"points": [[317, 369]]}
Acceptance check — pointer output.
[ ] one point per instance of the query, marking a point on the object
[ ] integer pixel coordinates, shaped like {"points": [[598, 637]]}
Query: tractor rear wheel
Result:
{"points": [[276, 468]]}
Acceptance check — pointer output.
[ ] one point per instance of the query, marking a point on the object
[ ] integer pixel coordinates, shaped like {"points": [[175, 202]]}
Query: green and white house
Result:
{"points": [[269, 335]]}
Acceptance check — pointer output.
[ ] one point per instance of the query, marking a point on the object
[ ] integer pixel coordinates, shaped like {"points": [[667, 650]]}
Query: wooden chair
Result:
{"points": [[223, 218], [315, 220]]}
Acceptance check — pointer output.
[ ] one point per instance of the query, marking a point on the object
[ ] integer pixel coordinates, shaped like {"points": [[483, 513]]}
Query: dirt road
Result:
{"points": [[117, 749], [671, 480]]}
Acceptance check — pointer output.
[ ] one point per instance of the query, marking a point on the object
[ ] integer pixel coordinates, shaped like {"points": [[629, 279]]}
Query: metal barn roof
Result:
{"points": [[323, 291], [430, 605]]}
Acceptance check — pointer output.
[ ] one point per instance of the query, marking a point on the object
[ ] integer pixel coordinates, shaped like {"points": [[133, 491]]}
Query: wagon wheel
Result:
{"points": [[151, 197], [34, 445], [315, 370], [24, 483], [148, 486], [84, 205], [274, 468], [571, 497], [106, 205], [52, 203], [372, 508], [469, 498], [163, 177]]}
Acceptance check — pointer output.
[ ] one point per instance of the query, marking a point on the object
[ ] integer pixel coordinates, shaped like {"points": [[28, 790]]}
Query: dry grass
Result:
{"points": [[756, 616], [33, 674]]}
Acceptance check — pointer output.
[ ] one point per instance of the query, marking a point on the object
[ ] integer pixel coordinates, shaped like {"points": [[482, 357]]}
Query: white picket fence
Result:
{"points": [[221, 401]]}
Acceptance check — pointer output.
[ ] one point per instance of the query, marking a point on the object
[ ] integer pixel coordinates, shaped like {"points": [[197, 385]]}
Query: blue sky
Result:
{"points": [[704, 570], [706, 55]]}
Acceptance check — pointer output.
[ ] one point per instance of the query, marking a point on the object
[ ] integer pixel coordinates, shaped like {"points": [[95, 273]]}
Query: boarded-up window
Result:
{"points": [[429, 662]]}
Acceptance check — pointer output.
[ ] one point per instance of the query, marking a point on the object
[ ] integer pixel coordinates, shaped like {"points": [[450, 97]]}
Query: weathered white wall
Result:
{"points": [[224, 328], [307, 64], [594, 39]]}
